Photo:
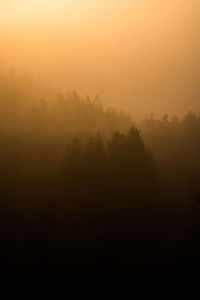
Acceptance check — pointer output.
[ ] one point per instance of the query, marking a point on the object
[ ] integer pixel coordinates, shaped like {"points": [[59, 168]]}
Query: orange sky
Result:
{"points": [[140, 55]]}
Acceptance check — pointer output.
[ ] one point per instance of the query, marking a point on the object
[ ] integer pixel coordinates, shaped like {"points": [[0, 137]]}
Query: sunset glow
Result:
{"points": [[99, 144], [118, 43]]}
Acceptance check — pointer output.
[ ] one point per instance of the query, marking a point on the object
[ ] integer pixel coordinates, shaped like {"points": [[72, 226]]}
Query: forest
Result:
{"points": [[86, 187]]}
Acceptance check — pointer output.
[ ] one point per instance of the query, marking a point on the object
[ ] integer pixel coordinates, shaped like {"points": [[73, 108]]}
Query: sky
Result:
{"points": [[138, 55]]}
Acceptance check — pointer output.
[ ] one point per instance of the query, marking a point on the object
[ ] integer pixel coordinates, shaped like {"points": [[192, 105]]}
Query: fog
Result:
{"points": [[142, 56], [100, 140]]}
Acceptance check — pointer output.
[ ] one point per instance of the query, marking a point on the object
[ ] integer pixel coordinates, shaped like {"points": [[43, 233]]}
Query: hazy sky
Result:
{"points": [[140, 55]]}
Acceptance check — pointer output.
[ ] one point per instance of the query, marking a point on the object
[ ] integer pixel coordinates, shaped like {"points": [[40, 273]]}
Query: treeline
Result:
{"points": [[26, 107], [120, 171], [100, 194], [80, 183], [175, 143]]}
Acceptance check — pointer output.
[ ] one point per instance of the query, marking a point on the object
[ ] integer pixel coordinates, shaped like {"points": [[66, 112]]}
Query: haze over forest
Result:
{"points": [[100, 139], [141, 56]]}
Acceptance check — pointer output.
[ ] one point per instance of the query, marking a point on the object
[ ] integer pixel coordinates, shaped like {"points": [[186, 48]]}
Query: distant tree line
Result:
{"points": [[81, 183], [27, 108]]}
